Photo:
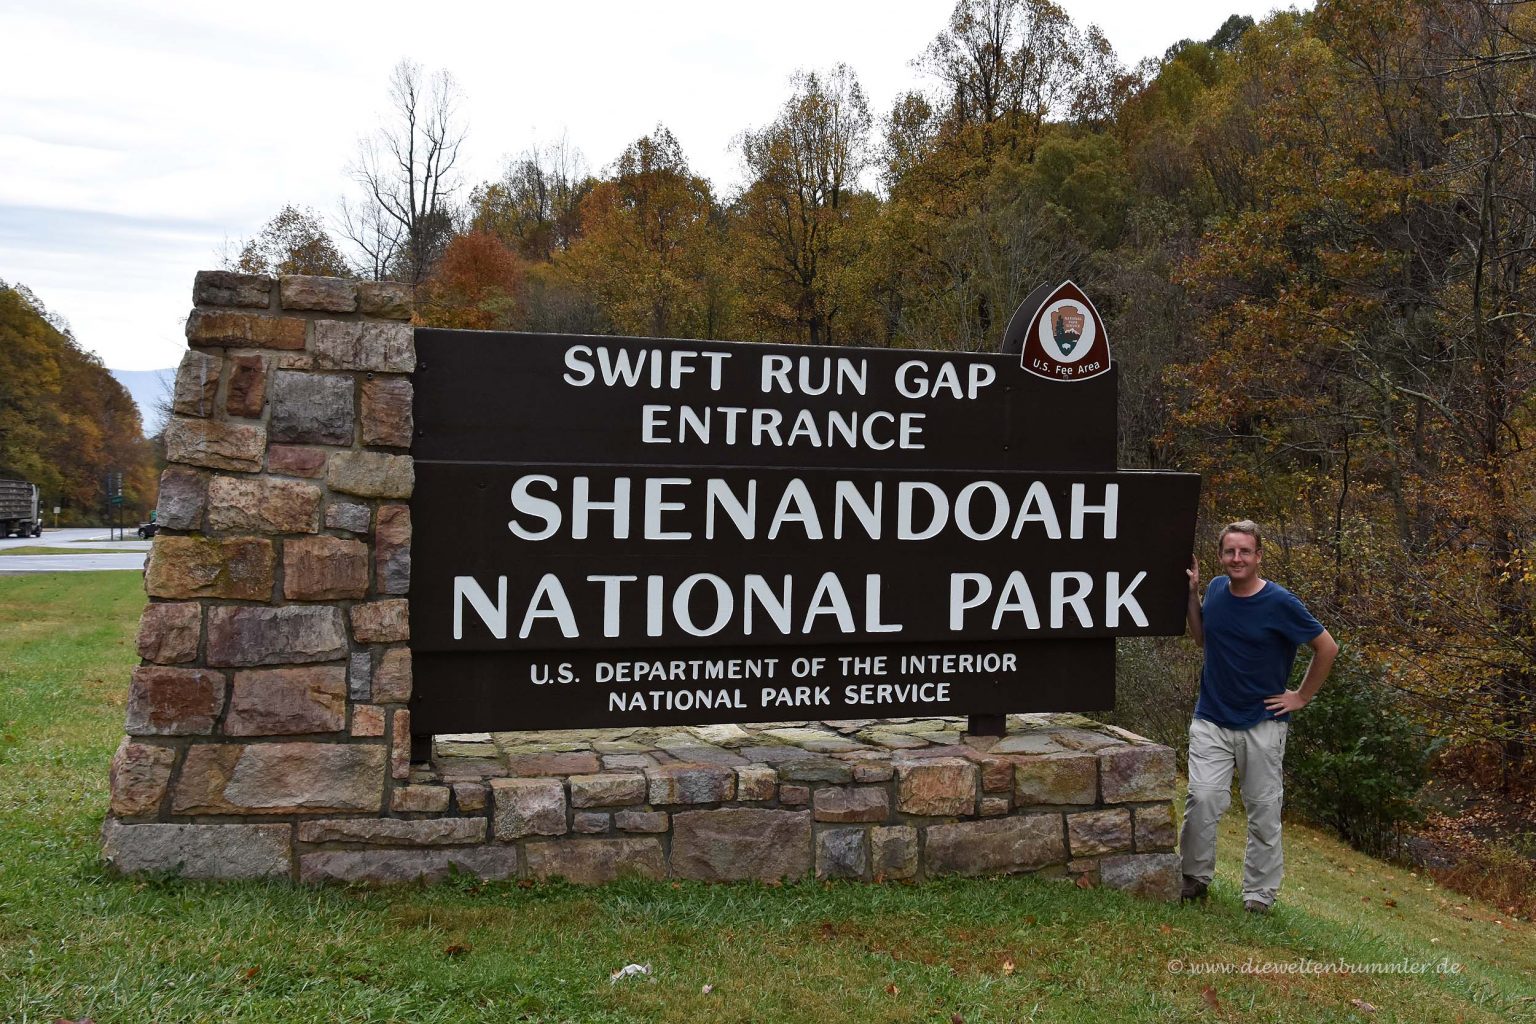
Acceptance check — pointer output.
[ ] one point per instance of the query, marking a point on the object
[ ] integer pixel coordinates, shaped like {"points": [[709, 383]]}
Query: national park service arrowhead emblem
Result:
{"points": [[1058, 335]]}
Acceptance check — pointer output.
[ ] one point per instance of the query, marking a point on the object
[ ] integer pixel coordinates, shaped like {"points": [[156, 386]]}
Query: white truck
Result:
{"points": [[20, 511]]}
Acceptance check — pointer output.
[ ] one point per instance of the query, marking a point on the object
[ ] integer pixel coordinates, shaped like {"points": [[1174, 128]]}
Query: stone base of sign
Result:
{"points": [[892, 799]]}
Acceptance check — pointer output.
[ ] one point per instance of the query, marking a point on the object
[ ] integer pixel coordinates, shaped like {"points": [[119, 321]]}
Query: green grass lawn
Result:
{"points": [[76, 943]]}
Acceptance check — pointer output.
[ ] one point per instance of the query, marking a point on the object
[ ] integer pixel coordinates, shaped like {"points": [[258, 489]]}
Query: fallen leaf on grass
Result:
{"points": [[892, 990], [1166, 929], [955, 1018], [456, 948], [827, 931], [1362, 1006], [82, 1020], [1084, 882], [250, 972], [1007, 967], [706, 990], [1390, 902], [1209, 995]]}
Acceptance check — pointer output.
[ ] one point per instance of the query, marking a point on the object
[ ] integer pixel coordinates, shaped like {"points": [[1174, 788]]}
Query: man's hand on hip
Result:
{"points": [[1286, 702]]}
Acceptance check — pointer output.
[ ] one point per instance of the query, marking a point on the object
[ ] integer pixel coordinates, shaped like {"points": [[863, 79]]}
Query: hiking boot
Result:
{"points": [[1193, 889], [1256, 906]]}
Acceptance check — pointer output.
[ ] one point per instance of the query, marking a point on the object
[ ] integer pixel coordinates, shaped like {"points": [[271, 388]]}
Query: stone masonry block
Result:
{"points": [[281, 778], [312, 408], [352, 345], [400, 744], [247, 392], [221, 329], [371, 474], [139, 776], [1152, 876], [397, 867], [393, 831], [936, 786], [641, 821], [1134, 774], [1056, 779], [596, 861], [590, 822], [392, 682], [244, 636], [851, 803], [235, 568], [341, 515], [381, 622], [225, 288], [528, 807], [389, 300], [756, 782], [607, 789], [1154, 829], [174, 701], [368, 720], [324, 568], [288, 701], [470, 796], [295, 460], [997, 845], [183, 498], [552, 763], [740, 843], [893, 851], [360, 676], [197, 384], [1090, 833], [169, 632], [386, 409], [198, 851], [690, 784], [392, 549], [331, 294], [256, 504], [215, 444], [842, 853], [421, 800]]}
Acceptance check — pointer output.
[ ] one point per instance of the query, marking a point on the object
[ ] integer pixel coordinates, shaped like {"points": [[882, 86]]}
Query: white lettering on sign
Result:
{"points": [[979, 511]]}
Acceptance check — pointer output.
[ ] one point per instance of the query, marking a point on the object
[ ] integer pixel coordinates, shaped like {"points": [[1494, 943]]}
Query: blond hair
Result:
{"points": [[1243, 526]]}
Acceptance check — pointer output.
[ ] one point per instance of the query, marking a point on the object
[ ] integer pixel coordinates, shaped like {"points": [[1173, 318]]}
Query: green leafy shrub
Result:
{"points": [[1355, 762]]}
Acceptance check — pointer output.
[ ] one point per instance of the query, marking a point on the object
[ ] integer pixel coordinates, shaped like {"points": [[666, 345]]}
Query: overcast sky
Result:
{"points": [[137, 139]]}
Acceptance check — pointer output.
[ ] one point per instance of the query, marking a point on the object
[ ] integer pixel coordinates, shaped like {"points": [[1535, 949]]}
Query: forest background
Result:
{"points": [[1312, 239]]}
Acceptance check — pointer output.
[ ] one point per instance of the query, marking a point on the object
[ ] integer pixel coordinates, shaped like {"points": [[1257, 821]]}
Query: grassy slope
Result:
{"points": [[75, 943]]}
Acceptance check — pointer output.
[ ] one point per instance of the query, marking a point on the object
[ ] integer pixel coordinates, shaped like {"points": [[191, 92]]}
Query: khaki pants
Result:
{"points": [[1256, 755]]}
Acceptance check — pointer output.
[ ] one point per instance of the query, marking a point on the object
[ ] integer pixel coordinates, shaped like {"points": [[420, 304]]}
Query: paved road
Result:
{"points": [[126, 554]]}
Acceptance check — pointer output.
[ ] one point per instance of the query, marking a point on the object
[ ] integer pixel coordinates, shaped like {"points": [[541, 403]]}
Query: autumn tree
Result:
{"points": [[534, 207], [294, 241], [477, 284], [801, 209], [650, 251], [406, 177], [65, 422]]}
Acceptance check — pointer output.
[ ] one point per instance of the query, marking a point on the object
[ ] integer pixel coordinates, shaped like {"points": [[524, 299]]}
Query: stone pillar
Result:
{"points": [[275, 672]]}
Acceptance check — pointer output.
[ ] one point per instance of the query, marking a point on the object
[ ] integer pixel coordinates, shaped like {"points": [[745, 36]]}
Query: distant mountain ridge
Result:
{"points": [[149, 388]]}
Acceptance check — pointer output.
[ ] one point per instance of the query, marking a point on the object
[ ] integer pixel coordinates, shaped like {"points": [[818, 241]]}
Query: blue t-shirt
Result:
{"points": [[1250, 646]]}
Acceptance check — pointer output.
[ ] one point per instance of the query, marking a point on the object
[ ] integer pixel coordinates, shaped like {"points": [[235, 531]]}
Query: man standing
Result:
{"points": [[1250, 629]]}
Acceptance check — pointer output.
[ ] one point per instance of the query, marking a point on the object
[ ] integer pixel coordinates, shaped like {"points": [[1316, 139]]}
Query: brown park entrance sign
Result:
{"points": [[623, 531]]}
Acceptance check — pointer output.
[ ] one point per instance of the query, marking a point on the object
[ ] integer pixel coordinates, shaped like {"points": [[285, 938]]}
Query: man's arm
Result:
{"points": [[1324, 649], [1196, 620]]}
